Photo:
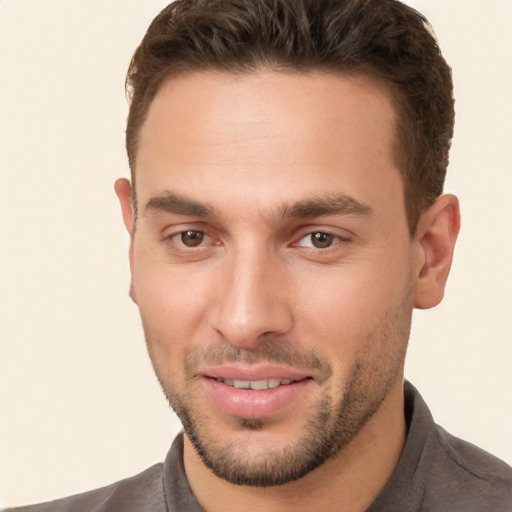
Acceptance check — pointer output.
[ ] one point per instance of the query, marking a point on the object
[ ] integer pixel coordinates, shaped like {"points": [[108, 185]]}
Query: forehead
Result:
{"points": [[267, 132]]}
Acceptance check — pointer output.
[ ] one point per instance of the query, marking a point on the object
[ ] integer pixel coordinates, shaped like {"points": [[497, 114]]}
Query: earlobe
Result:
{"points": [[435, 240]]}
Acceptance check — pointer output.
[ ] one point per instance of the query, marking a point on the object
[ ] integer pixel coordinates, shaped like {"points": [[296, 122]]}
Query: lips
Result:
{"points": [[254, 392]]}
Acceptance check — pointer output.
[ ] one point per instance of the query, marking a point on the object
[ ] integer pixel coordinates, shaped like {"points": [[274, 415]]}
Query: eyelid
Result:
{"points": [[342, 234], [176, 228]]}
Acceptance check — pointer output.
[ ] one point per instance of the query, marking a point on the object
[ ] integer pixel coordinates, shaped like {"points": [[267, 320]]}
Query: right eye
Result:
{"points": [[191, 238]]}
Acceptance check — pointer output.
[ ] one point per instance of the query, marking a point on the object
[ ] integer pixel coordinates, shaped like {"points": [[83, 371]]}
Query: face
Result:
{"points": [[272, 264]]}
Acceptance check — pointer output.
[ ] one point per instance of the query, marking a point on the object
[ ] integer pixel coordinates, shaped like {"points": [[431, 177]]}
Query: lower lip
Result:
{"points": [[246, 403]]}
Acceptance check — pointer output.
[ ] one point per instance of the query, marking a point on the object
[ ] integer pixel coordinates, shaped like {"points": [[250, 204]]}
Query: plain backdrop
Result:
{"points": [[79, 405]]}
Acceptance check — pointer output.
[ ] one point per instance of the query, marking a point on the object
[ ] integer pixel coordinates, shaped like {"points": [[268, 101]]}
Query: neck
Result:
{"points": [[350, 481]]}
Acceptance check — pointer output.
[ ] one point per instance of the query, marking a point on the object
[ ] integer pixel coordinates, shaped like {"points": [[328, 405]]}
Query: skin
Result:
{"points": [[234, 159]]}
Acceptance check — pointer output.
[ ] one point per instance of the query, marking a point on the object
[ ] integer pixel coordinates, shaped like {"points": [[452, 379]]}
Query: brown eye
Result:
{"points": [[322, 240], [192, 238]]}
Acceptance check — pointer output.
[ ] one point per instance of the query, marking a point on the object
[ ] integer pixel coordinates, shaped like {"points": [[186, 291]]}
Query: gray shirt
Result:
{"points": [[436, 473]]}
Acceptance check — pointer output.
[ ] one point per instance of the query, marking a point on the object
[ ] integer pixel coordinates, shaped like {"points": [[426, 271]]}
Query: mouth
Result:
{"points": [[255, 392], [258, 385]]}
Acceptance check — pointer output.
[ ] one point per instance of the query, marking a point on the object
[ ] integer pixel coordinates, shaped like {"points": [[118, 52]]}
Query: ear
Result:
{"points": [[123, 190], [435, 239]]}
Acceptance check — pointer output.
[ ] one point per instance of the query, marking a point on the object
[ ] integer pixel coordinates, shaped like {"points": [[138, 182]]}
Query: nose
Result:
{"points": [[250, 299]]}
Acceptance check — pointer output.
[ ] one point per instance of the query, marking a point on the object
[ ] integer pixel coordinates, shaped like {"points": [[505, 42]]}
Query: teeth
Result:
{"points": [[257, 385]]}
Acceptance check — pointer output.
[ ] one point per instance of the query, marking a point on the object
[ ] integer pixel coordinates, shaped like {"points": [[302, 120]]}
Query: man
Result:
{"points": [[286, 215]]}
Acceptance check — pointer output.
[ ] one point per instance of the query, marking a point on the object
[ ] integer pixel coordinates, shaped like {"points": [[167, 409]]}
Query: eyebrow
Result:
{"points": [[179, 205], [323, 205], [318, 206]]}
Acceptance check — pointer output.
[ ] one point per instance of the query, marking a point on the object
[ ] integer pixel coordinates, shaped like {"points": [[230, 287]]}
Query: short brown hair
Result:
{"points": [[383, 39]]}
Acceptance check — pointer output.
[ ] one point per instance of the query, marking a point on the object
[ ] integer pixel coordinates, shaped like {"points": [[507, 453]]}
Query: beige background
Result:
{"points": [[79, 405]]}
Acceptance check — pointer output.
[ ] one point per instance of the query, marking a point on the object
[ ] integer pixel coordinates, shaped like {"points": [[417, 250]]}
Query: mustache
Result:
{"points": [[268, 350]]}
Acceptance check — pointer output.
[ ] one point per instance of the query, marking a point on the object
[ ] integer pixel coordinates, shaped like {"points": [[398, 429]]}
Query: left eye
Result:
{"points": [[318, 240], [191, 238]]}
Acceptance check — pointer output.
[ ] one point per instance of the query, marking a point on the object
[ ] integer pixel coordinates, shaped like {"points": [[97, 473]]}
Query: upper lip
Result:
{"points": [[253, 372]]}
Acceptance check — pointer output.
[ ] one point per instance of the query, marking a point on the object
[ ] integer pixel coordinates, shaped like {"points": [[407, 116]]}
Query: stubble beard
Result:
{"points": [[327, 431], [330, 427]]}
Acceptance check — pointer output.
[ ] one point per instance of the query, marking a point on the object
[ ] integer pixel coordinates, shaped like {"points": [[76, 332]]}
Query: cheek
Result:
{"points": [[172, 308], [343, 310], [166, 293]]}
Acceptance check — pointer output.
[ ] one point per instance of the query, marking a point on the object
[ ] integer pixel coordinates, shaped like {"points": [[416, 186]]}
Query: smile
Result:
{"points": [[255, 397], [257, 385]]}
